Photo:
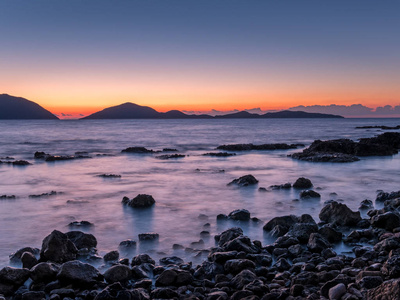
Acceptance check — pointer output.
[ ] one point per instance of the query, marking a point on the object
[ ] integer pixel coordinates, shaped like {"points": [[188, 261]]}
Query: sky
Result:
{"points": [[77, 57]]}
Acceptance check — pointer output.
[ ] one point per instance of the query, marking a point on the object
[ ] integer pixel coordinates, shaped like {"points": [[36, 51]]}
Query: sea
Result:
{"points": [[189, 192]]}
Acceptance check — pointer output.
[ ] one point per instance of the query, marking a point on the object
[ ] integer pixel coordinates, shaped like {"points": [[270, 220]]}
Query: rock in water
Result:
{"points": [[78, 273], [82, 240], [244, 180], [240, 215], [309, 194], [140, 201], [340, 214], [302, 183], [56, 247]]}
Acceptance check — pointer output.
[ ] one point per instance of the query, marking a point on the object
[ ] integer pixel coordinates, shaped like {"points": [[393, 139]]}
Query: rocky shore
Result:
{"points": [[300, 264]]}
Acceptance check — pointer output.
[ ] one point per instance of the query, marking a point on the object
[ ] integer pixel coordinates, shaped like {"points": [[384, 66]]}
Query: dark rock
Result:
{"points": [[366, 204], [140, 201], [7, 197], [340, 214], [240, 215], [388, 221], [243, 278], [21, 163], [169, 156], [228, 235], [222, 217], [33, 295], [127, 244], [325, 157], [82, 240], [278, 231], [219, 154], [309, 194], [330, 234], [64, 293], [302, 183], [44, 272], [284, 222], [388, 290], [150, 236], [248, 147], [169, 150], [144, 270], [370, 282], [78, 273], [383, 196], [222, 257], [80, 224], [391, 267], [217, 295], [241, 243], [235, 266], [141, 259], [245, 180], [336, 292], [28, 260], [118, 273], [52, 193], [171, 260], [137, 150], [58, 248], [166, 278], [109, 176], [302, 231], [317, 243], [164, 293], [111, 256], [13, 276], [341, 278], [284, 186]]}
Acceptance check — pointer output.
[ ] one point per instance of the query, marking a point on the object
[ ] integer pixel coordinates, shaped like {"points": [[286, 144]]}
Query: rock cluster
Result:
{"points": [[248, 147], [140, 201]]}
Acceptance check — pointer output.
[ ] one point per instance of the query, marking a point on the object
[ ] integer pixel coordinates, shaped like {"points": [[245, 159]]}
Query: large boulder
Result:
{"points": [[302, 183], [13, 276], [339, 214], [56, 247], [140, 201], [240, 215], [44, 272], [228, 235], [388, 290], [79, 273]]}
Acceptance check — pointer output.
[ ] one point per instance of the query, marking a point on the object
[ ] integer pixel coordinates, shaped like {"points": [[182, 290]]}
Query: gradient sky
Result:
{"points": [[81, 56]]}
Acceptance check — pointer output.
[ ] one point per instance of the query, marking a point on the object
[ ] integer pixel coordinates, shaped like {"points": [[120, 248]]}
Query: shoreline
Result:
{"points": [[300, 264]]}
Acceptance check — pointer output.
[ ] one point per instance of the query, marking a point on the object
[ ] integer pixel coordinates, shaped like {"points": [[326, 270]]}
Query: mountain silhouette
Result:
{"points": [[17, 108], [130, 110]]}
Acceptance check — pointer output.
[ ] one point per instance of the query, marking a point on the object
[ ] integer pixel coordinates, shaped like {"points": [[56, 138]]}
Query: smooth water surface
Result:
{"points": [[183, 188]]}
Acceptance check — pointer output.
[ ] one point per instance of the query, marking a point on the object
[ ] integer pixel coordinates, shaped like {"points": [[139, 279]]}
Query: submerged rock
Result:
{"points": [[169, 156], [244, 181], [140, 201], [151, 236], [239, 215], [303, 183], [219, 154], [309, 194], [52, 193], [248, 147], [109, 176], [137, 150]]}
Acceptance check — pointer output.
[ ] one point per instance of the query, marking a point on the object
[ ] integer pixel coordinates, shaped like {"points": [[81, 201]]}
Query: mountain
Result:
{"points": [[16, 108], [130, 110]]}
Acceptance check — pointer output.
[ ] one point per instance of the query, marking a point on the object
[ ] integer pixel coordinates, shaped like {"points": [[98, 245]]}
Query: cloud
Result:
{"points": [[388, 110], [344, 110]]}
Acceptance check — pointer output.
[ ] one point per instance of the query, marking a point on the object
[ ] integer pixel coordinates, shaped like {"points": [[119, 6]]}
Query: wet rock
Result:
{"points": [[325, 157], [336, 292], [243, 278], [7, 197], [248, 147], [80, 224], [111, 256], [217, 295], [171, 260], [56, 247], [370, 282], [228, 235], [141, 259], [33, 295], [118, 273], [52, 193], [222, 217], [166, 278], [317, 243], [13, 276], [144, 270], [78, 273], [137, 150], [284, 222], [170, 156], [340, 214], [383, 196], [309, 194], [245, 180], [302, 231], [140, 201], [169, 150], [241, 243], [302, 183], [16, 257], [240, 215], [391, 267], [164, 293], [366, 204], [219, 154], [109, 176], [82, 240], [285, 186], [235, 266], [150, 236], [127, 244], [388, 221], [330, 234], [389, 290], [44, 272], [28, 260], [20, 163]]}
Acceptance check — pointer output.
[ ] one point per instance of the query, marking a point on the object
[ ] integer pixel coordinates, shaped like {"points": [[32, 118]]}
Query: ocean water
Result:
{"points": [[189, 192]]}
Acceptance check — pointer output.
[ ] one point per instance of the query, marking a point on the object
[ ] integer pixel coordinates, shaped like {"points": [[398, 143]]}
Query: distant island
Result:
{"points": [[16, 108], [130, 110]]}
